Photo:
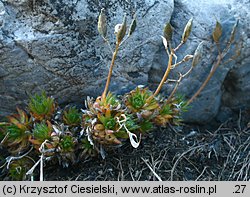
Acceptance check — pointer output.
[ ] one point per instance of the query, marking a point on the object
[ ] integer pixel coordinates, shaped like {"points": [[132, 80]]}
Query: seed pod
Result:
{"points": [[122, 31], [187, 30], [187, 57], [168, 31], [132, 27], [102, 24], [197, 54], [233, 32], [117, 28], [165, 42], [217, 32]]}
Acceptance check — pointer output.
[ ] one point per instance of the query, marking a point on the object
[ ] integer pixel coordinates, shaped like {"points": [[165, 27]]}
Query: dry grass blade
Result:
{"points": [[204, 169], [181, 156], [155, 174]]}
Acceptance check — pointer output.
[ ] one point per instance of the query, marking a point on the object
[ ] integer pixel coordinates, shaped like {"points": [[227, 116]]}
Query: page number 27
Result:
{"points": [[239, 189]]}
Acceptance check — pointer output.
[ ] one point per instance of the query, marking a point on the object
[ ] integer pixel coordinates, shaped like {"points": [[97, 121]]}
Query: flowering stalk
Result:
{"points": [[164, 78], [216, 37], [110, 71], [206, 81]]}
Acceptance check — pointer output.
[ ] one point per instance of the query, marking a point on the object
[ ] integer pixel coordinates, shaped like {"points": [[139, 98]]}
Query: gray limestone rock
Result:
{"points": [[54, 45]]}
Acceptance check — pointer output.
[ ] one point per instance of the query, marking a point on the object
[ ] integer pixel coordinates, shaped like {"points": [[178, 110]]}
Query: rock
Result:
{"points": [[218, 97], [55, 46]]}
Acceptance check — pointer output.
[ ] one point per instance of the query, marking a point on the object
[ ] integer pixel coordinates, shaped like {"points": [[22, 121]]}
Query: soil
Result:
{"points": [[188, 152]]}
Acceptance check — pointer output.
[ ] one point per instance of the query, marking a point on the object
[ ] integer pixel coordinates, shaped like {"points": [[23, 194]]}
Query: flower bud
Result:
{"points": [[187, 30], [232, 36], [168, 31], [117, 28], [165, 42], [132, 27], [102, 24], [197, 54], [122, 30], [217, 32]]}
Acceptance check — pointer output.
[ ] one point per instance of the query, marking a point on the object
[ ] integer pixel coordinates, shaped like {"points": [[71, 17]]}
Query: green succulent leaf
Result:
{"points": [[109, 101], [88, 149], [108, 122], [16, 138], [67, 143], [42, 132], [137, 101], [86, 144], [41, 106], [18, 169], [72, 116], [181, 103], [146, 126], [17, 173], [121, 134], [166, 109], [131, 124], [15, 133], [112, 100]]}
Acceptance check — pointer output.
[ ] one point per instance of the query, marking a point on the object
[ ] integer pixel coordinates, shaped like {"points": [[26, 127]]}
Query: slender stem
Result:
{"points": [[110, 71], [214, 68], [180, 62], [165, 75], [218, 47], [163, 79], [108, 43], [174, 90], [124, 40], [207, 80], [178, 83], [187, 73], [177, 64], [179, 46]]}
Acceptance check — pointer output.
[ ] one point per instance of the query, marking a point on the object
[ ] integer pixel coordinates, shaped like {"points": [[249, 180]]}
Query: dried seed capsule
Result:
{"points": [[187, 30], [187, 57], [165, 42], [122, 31], [197, 54], [117, 28], [168, 31], [232, 36], [217, 32], [102, 24], [132, 27]]}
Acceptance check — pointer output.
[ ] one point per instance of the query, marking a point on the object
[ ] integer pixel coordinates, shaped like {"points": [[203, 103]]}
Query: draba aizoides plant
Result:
{"points": [[46, 134]]}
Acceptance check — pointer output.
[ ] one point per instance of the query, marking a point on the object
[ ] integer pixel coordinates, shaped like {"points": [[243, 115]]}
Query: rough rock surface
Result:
{"points": [[54, 45]]}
